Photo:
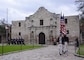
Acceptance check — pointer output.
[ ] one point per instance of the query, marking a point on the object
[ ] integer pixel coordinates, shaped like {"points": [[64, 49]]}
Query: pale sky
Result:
{"points": [[19, 9]]}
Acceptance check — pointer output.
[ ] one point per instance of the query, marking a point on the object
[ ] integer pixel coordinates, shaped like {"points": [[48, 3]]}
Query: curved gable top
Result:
{"points": [[42, 12]]}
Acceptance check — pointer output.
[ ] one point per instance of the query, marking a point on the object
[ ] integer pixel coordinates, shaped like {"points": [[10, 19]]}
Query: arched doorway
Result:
{"points": [[41, 38]]}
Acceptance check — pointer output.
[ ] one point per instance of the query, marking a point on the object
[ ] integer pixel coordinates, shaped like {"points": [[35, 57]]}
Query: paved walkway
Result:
{"points": [[46, 53]]}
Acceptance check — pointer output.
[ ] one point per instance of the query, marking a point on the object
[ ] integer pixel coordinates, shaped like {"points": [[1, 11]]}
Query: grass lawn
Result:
{"points": [[81, 50], [11, 48]]}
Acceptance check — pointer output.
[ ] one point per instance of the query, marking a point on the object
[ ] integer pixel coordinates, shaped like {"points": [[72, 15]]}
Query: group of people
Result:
{"points": [[16, 41], [63, 41]]}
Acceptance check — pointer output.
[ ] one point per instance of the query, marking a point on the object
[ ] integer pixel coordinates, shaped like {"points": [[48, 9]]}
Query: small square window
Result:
{"points": [[41, 22], [19, 24], [65, 21], [19, 33], [32, 21], [51, 19], [32, 32]]}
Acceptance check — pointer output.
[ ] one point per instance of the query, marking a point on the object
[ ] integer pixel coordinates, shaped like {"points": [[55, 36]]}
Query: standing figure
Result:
{"points": [[60, 43], [76, 42], [23, 41]]}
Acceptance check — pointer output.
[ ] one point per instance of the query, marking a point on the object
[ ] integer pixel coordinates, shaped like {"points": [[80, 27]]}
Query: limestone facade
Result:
{"points": [[43, 26]]}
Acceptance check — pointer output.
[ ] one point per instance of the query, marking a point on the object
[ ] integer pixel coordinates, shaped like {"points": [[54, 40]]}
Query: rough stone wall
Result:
{"points": [[43, 14], [73, 26], [16, 29]]}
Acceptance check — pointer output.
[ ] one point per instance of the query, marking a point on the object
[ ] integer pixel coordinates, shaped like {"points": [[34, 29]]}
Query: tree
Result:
{"points": [[2, 22], [81, 8], [2, 27], [82, 24], [81, 5], [2, 30]]}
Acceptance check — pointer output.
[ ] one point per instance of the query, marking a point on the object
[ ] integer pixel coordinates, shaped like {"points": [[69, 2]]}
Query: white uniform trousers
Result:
{"points": [[65, 48], [60, 46]]}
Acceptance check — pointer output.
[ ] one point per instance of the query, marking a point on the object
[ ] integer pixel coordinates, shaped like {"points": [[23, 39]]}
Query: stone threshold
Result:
{"points": [[79, 55]]}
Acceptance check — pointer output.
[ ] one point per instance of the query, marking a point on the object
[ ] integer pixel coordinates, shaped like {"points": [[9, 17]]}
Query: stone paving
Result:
{"points": [[46, 53]]}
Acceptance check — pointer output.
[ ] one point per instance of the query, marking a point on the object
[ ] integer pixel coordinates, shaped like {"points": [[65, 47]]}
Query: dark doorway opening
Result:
{"points": [[41, 38]]}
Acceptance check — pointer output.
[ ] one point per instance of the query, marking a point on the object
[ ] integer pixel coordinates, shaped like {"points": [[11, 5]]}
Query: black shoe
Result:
{"points": [[60, 54]]}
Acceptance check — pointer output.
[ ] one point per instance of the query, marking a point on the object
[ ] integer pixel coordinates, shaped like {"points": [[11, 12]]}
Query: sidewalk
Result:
{"points": [[46, 53]]}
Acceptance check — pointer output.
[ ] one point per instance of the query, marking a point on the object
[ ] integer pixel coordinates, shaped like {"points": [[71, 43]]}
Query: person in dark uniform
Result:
{"points": [[11, 41], [76, 42], [8, 42], [17, 41], [23, 41], [14, 40]]}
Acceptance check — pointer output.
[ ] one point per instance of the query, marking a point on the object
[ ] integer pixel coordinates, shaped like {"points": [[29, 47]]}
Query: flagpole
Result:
{"points": [[7, 16], [62, 24], [7, 25]]}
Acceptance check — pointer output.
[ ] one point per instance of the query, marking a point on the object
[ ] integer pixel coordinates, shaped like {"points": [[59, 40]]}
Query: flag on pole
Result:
{"points": [[62, 25]]}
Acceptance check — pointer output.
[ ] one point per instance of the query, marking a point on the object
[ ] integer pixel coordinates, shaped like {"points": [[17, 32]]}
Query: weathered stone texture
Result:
{"points": [[31, 28]]}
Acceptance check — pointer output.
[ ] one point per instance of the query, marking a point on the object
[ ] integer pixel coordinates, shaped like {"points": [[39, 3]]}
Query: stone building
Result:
{"points": [[43, 26]]}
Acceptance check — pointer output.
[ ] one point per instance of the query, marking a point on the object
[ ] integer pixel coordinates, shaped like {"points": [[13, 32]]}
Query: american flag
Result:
{"points": [[62, 25]]}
